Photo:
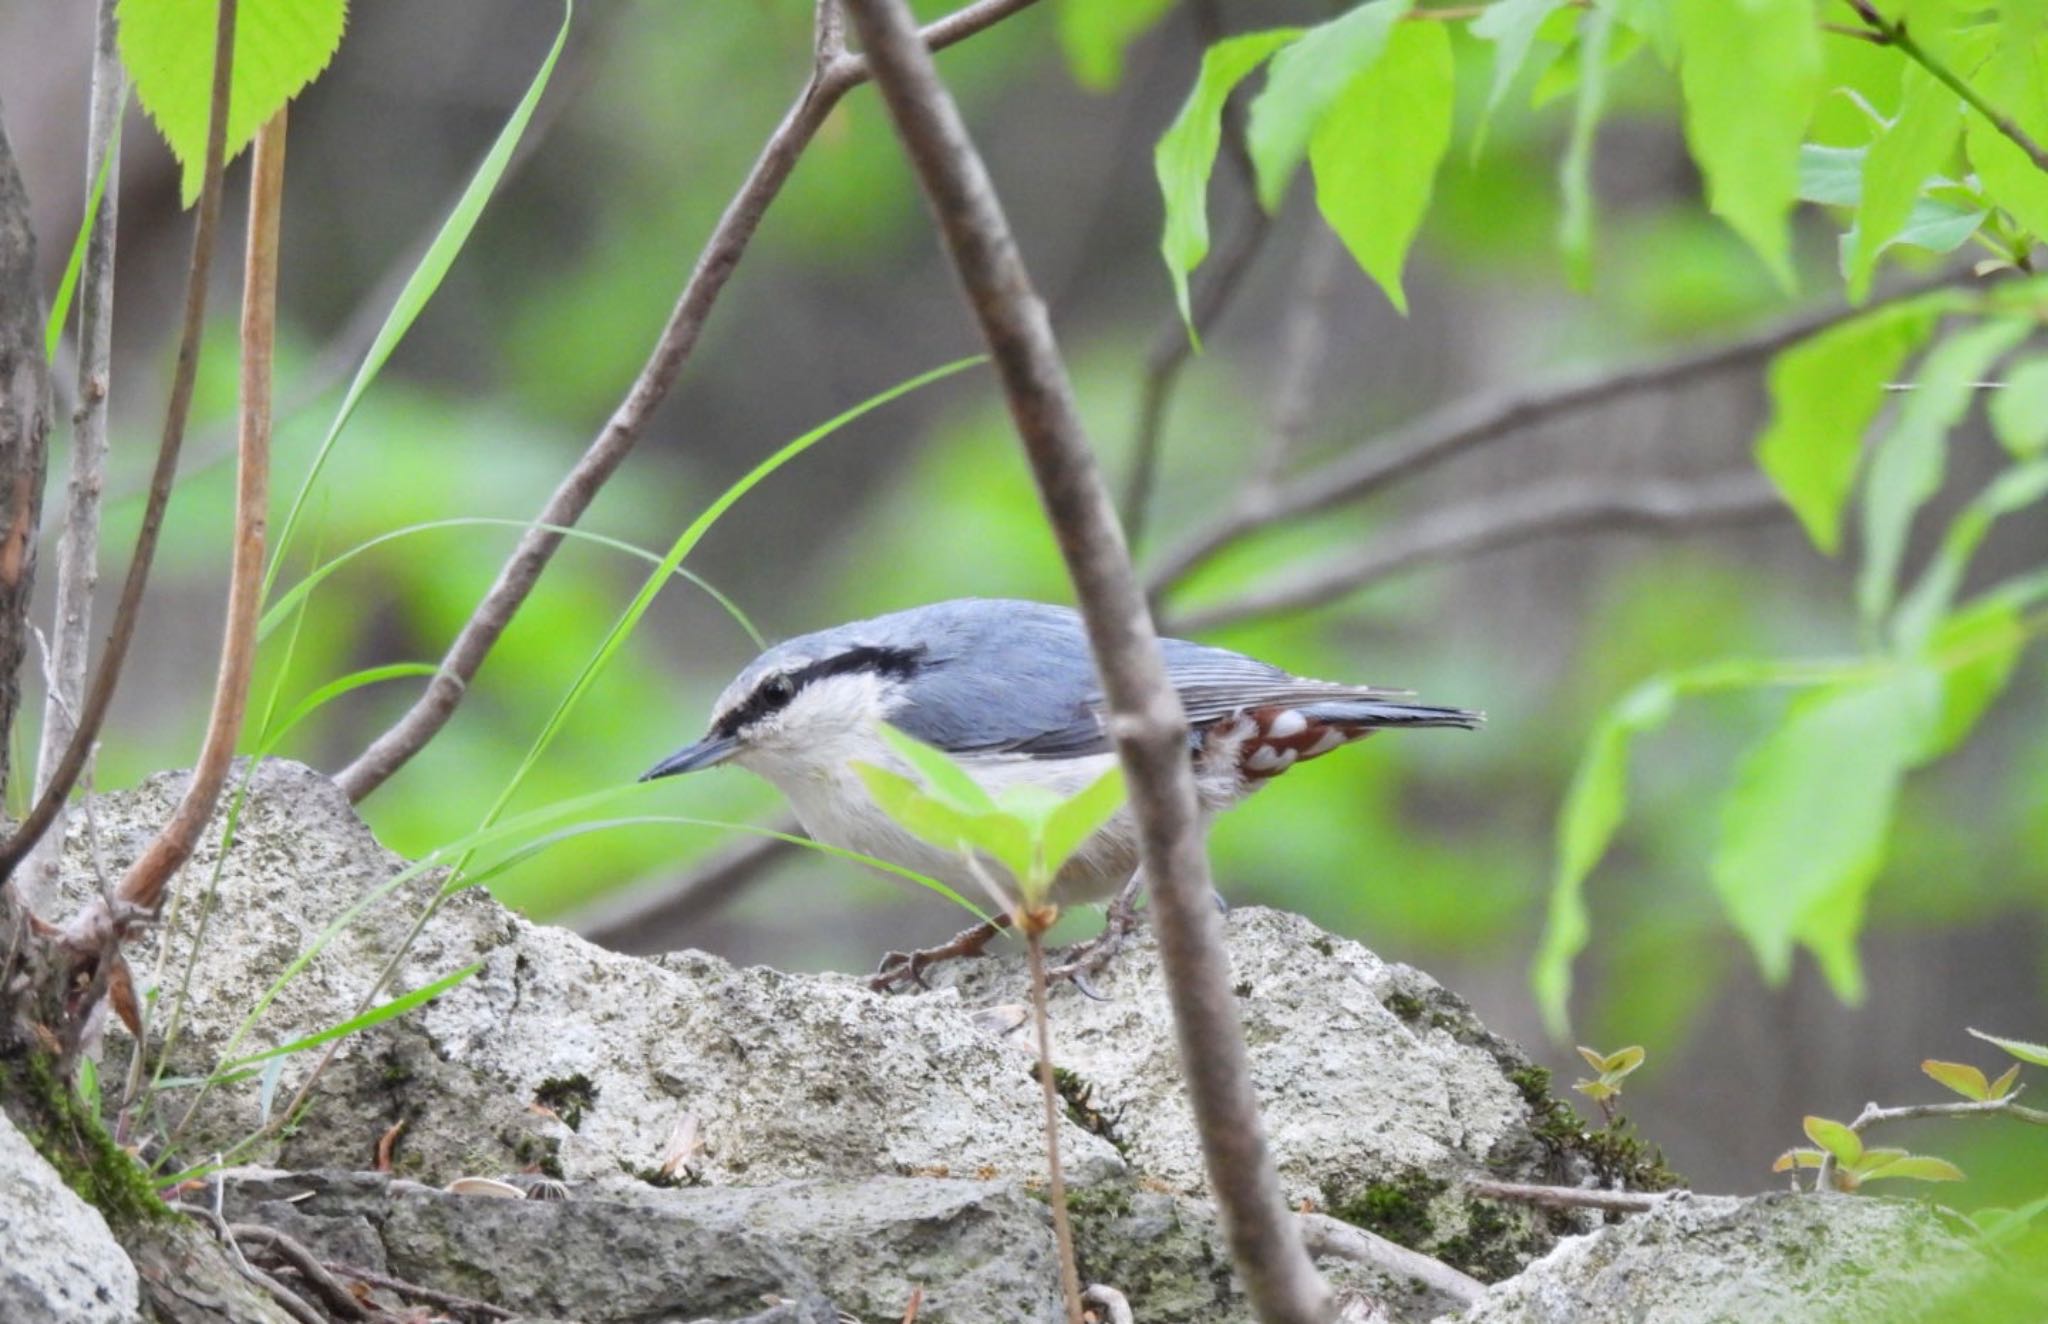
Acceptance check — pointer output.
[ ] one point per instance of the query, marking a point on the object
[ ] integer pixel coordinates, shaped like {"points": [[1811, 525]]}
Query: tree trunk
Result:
{"points": [[24, 435]]}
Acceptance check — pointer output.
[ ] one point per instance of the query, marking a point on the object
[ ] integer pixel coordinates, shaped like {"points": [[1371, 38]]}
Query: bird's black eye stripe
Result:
{"points": [[775, 691]]}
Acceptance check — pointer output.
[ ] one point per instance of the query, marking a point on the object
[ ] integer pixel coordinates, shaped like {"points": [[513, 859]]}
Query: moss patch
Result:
{"points": [[567, 1097], [73, 1140], [1082, 1109], [1423, 1213], [1615, 1154]]}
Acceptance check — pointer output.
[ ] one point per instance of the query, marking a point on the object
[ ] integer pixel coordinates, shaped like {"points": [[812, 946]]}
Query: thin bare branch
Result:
{"points": [[1145, 717], [1491, 523], [78, 561], [1572, 1197], [1340, 1240], [1887, 32], [833, 76], [143, 887], [1049, 1091], [1872, 1115], [108, 675], [1458, 428], [336, 1297], [418, 1291], [25, 408], [616, 921], [1304, 344]]}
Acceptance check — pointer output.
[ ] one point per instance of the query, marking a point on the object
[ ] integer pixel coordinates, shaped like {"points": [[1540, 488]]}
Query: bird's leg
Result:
{"points": [[1121, 918], [901, 969]]}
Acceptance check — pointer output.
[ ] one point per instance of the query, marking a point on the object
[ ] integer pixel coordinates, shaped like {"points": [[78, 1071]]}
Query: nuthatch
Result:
{"points": [[1008, 689]]}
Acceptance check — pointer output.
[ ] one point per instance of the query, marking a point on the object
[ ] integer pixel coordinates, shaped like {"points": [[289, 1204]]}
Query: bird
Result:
{"points": [[1008, 689]]}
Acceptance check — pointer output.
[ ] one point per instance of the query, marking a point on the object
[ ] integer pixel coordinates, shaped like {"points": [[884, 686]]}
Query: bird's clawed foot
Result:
{"points": [[1121, 919], [906, 969]]}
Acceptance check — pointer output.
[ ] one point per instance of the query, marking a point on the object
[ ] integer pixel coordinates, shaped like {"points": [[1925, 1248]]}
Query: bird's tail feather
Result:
{"points": [[1384, 713]]}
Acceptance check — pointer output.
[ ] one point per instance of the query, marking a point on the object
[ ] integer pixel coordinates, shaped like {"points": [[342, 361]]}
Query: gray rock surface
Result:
{"points": [[1723, 1260], [878, 1137], [58, 1260]]}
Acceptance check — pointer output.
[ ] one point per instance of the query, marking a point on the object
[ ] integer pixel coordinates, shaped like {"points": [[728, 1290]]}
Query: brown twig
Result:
{"points": [[418, 1292], [25, 409], [1872, 1115], [619, 921], [1572, 1197], [122, 633], [1333, 1237], [143, 886], [78, 564], [1304, 344], [834, 74], [303, 1262], [287, 1300], [1491, 523], [1062, 1225], [1886, 32], [1145, 717], [1457, 428]]}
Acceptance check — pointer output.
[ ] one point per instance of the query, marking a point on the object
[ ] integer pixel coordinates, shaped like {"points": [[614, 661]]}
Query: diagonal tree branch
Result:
{"points": [[1145, 717], [122, 633], [1523, 515], [1480, 420], [78, 561], [834, 74]]}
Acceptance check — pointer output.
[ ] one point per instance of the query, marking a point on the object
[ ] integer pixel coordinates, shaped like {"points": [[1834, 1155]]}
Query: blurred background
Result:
{"points": [[1434, 849]]}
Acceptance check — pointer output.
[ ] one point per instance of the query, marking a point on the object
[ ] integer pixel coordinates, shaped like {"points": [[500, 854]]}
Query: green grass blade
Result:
{"points": [[334, 689], [425, 280], [398, 1006], [60, 307], [684, 544], [298, 591]]}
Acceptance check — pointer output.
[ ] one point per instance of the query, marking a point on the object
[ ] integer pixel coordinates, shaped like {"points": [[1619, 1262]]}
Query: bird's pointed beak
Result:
{"points": [[706, 753]]}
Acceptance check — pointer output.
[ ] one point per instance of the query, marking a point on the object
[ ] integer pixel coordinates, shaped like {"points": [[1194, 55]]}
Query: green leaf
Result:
{"points": [[1594, 1058], [1914, 146], [1975, 652], [2015, 489], [1825, 390], [1080, 817], [1187, 153], [1907, 467], [1961, 1077], [2015, 80], [1656, 21], [1916, 1167], [397, 1006], [946, 779], [1575, 172], [1305, 81], [2035, 1054], [2019, 413], [1835, 1138], [1624, 1062], [60, 306], [1095, 33], [2003, 1085], [917, 811], [88, 1081], [1798, 1158], [1511, 26], [1750, 73], [1593, 809], [1831, 176], [425, 279], [1803, 827], [167, 45], [1376, 152], [1599, 1091]]}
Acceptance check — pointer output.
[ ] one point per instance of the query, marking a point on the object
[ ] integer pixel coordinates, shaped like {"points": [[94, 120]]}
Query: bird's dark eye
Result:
{"points": [[777, 691]]}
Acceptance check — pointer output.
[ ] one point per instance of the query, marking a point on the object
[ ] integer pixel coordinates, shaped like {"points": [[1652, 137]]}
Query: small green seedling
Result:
{"points": [[1025, 831], [1855, 1165], [1969, 1082], [1612, 1069]]}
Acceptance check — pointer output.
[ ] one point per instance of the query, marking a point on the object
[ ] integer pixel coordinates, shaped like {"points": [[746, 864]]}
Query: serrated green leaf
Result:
{"points": [[1803, 826], [1080, 817], [944, 778], [1798, 1158], [1186, 153], [2019, 413], [2034, 1054], [1961, 1077], [167, 46], [1916, 1167], [2003, 1085], [1835, 1138], [1305, 81], [1825, 391], [2015, 80], [1750, 74], [2015, 489], [1975, 651], [1575, 171], [913, 808], [1914, 146], [1375, 153], [1909, 461], [1095, 33]]}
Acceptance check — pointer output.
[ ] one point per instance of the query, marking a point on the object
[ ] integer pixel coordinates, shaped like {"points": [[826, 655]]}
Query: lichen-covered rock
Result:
{"points": [[58, 1259], [980, 1251], [1723, 1260]]}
